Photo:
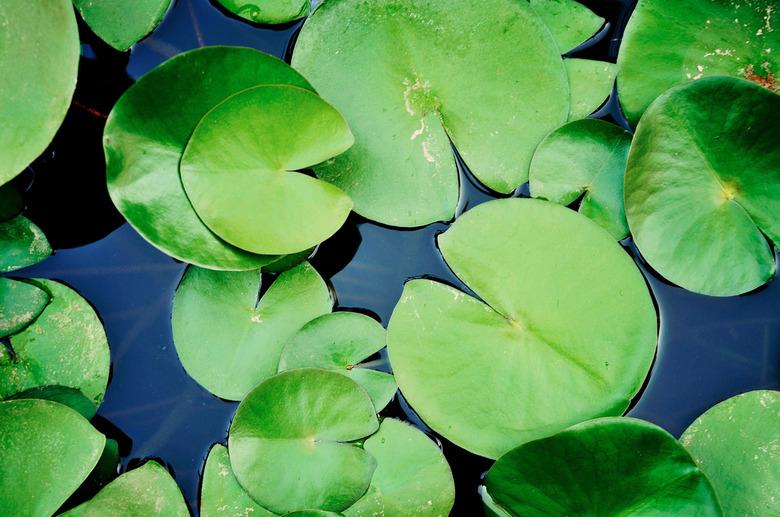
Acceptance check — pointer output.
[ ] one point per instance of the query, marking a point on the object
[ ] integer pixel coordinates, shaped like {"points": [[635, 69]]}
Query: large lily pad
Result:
{"points": [[146, 134], [586, 156], [340, 341], [267, 11], [412, 477], [559, 338], [227, 339], [46, 451], [289, 441], [570, 22], [664, 46], [39, 58], [737, 445], [120, 23], [430, 72], [22, 244], [238, 169], [20, 304], [220, 493], [590, 84], [702, 186], [609, 466]]}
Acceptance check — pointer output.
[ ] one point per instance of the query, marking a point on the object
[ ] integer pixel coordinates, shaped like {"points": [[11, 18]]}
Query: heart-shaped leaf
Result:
{"points": [[20, 304], [268, 11], [22, 244], [290, 441], [559, 337], [703, 183], [737, 445], [220, 493], [120, 23], [570, 22], [590, 83]]}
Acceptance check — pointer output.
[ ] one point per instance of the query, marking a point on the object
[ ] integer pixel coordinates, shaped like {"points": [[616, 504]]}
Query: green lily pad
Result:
{"points": [[120, 23], [65, 346], [22, 244], [313, 513], [340, 341], [609, 466], [590, 84], [238, 169], [268, 11], [290, 441], [39, 59], [737, 445], [586, 156], [570, 22], [430, 72], [148, 490], [20, 304], [559, 338], [702, 186], [46, 451], [227, 340], [11, 203], [412, 477], [220, 493], [664, 46], [145, 137]]}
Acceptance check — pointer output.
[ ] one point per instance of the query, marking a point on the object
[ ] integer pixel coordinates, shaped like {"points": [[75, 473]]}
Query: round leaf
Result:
{"points": [[590, 83], [268, 11], [289, 441], [737, 445], [570, 22], [22, 244], [220, 493], [430, 72], [20, 304], [586, 156], [559, 338], [703, 183], [609, 466], [120, 23], [237, 169]]}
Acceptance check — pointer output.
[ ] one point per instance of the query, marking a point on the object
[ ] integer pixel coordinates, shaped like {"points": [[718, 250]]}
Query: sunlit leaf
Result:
{"points": [[590, 83], [570, 22], [120, 23]]}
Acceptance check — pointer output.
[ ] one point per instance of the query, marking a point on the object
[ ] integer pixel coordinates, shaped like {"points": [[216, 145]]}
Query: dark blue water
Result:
{"points": [[710, 348]]}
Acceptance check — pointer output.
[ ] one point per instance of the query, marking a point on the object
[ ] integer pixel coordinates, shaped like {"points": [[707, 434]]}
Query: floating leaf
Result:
{"points": [[46, 451], [340, 341], [220, 493], [412, 477], [703, 183], [737, 445], [586, 156], [289, 441], [268, 11], [229, 341], [430, 72], [22, 244], [560, 336], [66, 346], [313, 513], [145, 136], [39, 58], [664, 46], [590, 83], [609, 466], [120, 23], [570, 22], [237, 169], [20, 304]]}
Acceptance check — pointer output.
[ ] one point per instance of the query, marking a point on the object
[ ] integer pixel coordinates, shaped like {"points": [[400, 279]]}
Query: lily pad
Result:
{"points": [[65, 346], [145, 137], [590, 84], [557, 337], [702, 186], [39, 59], [290, 441], [238, 169], [430, 72], [737, 445], [313, 513], [46, 451], [20, 304], [412, 477], [586, 156], [340, 341], [570, 22], [268, 11], [220, 493], [227, 339], [609, 466], [22, 244], [120, 23], [664, 46]]}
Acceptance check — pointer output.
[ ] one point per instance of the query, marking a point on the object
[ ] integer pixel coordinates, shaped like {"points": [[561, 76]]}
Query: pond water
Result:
{"points": [[710, 348]]}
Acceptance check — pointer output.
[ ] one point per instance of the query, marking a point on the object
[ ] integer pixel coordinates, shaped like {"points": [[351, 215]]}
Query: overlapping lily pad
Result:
{"points": [[737, 445], [570, 22], [609, 466], [20, 303], [590, 83], [586, 156], [702, 186], [268, 11], [557, 338], [22, 244], [220, 493], [120, 23]]}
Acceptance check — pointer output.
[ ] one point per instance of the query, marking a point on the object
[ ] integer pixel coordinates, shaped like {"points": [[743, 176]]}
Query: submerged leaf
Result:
{"points": [[11, 203], [120, 23], [590, 83], [570, 22], [20, 303], [22, 244], [267, 11], [220, 493]]}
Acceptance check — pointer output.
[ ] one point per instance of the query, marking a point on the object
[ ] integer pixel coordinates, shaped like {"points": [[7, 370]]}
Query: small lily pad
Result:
{"points": [[702, 186], [238, 170], [570, 22], [412, 477], [290, 441], [590, 84], [340, 341], [120, 23], [608, 466], [586, 156], [557, 337], [22, 244], [267, 11], [227, 339], [220, 493], [737, 445], [46, 451], [20, 304]]}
